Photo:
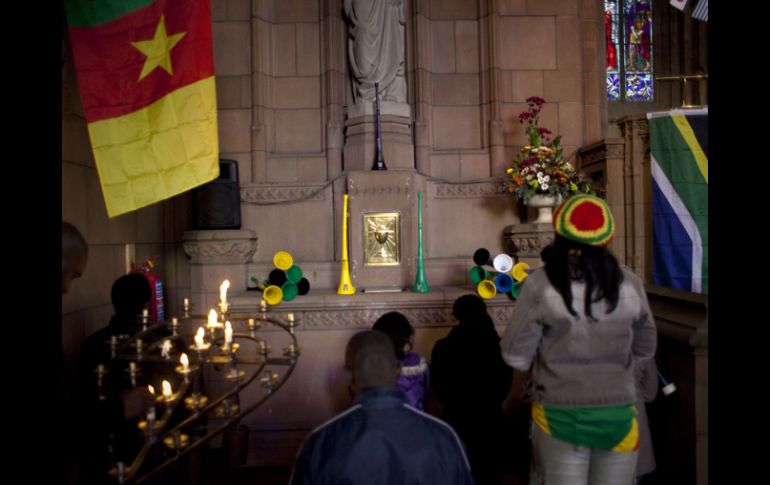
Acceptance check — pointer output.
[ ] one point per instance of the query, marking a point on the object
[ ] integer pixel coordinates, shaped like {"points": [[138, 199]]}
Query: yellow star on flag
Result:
{"points": [[158, 50]]}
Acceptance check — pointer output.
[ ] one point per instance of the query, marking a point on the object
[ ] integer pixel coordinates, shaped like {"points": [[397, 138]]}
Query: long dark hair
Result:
{"points": [[567, 260], [396, 326]]}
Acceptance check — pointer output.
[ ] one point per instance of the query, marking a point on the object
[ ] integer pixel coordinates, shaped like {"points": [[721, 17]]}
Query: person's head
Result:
{"points": [[584, 226], [471, 312], [130, 294], [468, 308], [370, 357], [74, 255], [397, 327]]}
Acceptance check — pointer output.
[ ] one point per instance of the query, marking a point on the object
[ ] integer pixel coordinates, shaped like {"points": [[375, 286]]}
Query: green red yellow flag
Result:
{"points": [[146, 75]]}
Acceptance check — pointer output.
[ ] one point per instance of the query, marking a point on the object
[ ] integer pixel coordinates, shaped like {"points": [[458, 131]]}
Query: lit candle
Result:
{"points": [[186, 304], [166, 390], [145, 315], [213, 319], [250, 324], [151, 410], [223, 294], [199, 343], [228, 335], [185, 363], [290, 317], [262, 305]]}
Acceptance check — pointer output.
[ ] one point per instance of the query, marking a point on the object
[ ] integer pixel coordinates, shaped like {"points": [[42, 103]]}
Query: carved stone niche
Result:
{"points": [[527, 240], [220, 247]]}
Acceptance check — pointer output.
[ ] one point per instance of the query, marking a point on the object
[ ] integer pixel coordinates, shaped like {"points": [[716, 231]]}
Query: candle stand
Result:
{"points": [[188, 413]]}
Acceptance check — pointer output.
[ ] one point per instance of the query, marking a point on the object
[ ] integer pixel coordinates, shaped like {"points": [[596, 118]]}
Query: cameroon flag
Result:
{"points": [[680, 211], [146, 75]]}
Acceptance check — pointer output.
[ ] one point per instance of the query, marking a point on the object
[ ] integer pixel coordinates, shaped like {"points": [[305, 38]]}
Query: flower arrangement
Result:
{"points": [[540, 167]]}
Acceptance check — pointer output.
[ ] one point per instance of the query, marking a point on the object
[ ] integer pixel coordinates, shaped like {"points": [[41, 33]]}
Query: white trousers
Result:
{"points": [[557, 462]]}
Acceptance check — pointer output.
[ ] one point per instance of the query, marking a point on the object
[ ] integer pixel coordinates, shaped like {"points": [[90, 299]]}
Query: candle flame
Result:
{"points": [[151, 389], [212, 318], [228, 333], [185, 361], [166, 389], [199, 337], [223, 291]]}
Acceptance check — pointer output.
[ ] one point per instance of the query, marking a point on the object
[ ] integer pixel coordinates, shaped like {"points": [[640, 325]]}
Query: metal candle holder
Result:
{"points": [[183, 424]]}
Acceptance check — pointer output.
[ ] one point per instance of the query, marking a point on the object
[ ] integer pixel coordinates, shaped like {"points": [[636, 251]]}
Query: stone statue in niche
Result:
{"points": [[376, 50]]}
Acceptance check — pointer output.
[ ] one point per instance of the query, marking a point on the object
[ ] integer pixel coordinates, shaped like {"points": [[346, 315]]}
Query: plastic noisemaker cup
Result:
{"points": [[283, 260], [290, 291], [294, 274], [486, 289]]}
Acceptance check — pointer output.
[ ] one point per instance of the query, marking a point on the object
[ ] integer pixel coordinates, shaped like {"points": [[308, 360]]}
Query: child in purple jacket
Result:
{"points": [[415, 374]]}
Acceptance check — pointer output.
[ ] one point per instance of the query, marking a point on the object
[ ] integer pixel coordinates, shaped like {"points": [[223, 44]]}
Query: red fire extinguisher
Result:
{"points": [[157, 313]]}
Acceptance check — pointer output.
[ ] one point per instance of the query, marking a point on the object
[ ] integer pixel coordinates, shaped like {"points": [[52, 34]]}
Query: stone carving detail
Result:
{"points": [[615, 150], [255, 195], [597, 154], [601, 153], [364, 318], [463, 191], [380, 190], [213, 252], [501, 315], [527, 240]]}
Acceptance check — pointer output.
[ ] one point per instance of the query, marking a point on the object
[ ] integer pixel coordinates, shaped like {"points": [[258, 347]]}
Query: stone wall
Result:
{"points": [[283, 93]]}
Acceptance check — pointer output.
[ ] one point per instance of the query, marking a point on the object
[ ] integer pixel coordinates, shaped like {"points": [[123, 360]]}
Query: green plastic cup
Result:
{"points": [[294, 274], [290, 291], [478, 274]]}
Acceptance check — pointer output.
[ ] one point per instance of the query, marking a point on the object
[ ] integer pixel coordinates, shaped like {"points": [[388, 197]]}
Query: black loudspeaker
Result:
{"points": [[217, 204]]}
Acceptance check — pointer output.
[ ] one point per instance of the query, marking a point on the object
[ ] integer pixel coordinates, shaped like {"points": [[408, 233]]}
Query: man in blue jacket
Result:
{"points": [[381, 439]]}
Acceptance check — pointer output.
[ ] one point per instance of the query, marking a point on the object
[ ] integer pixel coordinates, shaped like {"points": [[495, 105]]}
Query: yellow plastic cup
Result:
{"points": [[519, 271], [273, 295], [283, 260], [486, 289]]}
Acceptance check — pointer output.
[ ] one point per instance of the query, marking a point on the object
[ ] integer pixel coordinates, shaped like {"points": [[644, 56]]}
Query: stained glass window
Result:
{"points": [[628, 30]]}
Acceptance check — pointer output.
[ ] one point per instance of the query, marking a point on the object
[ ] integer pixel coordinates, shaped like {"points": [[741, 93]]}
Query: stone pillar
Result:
{"points": [[216, 256], [700, 341], [637, 187], [525, 241], [602, 162], [361, 136]]}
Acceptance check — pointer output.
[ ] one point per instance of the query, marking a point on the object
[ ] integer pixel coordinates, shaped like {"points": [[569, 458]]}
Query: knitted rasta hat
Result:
{"points": [[585, 219]]}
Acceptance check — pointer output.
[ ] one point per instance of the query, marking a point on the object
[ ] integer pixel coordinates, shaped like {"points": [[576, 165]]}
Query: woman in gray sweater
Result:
{"points": [[581, 325]]}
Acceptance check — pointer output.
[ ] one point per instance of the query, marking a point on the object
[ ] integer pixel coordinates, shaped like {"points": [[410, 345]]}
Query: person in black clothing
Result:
{"points": [[106, 422], [472, 381]]}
